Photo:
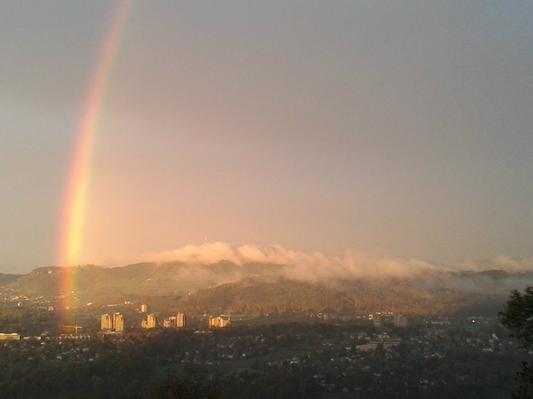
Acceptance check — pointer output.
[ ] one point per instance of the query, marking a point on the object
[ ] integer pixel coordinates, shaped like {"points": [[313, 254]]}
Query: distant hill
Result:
{"points": [[8, 278], [225, 287], [258, 296], [94, 283]]}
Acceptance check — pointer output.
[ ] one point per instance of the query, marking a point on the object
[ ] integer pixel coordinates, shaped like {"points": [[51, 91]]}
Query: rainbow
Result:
{"points": [[75, 197]]}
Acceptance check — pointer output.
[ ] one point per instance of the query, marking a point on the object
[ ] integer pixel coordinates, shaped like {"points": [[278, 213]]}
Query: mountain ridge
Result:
{"points": [[226, 287]]}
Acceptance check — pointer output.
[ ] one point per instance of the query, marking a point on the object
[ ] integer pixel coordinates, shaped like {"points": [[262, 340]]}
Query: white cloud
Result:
{"points": [[317, 267], [308, 266]]}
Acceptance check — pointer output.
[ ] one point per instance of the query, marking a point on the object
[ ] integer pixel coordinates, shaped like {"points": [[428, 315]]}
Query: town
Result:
{"points": [[114, 323], [320, 354]]}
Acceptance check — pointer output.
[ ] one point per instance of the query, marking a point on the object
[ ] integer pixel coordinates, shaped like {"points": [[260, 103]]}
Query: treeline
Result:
{"points": [[28, 321]]}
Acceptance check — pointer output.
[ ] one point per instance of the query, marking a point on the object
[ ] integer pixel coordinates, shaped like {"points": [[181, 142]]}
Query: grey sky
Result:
{"points": [[319, 125]]}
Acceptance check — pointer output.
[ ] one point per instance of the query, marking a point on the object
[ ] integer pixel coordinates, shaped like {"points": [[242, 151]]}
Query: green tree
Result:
{"points": [[517, 316]]}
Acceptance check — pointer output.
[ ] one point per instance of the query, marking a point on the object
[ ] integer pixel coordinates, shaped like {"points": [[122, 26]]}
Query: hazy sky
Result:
{"points": [[402, 126]]}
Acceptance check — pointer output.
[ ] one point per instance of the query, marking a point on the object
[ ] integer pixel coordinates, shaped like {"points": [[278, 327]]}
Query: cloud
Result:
{"points": [[506, 263], [307, 266], [315, 266]]}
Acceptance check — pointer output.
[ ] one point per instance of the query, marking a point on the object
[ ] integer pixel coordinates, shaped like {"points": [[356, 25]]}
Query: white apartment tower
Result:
{"points": [[106, 322], [150, 322], [118, 322], [219, 321], [181, 320], [114, 322]]}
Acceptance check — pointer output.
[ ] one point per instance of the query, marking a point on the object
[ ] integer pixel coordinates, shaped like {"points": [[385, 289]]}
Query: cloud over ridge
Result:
{"points": [[309, 266], [351, 263], [313, 267]]}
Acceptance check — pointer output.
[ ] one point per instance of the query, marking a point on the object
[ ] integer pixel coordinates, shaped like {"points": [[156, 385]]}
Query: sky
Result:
{"points": [[401, 127]]}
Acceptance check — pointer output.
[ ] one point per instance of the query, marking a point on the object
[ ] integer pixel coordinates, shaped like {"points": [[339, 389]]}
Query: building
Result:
{"points": [[178, 321], [69, 329], [169, 322], [114, 322], [106, 322], [400, 321], [150, 322], [181, 320], [377, 322], [118, 322], [9, 337], [219, 321], [144, 308]]}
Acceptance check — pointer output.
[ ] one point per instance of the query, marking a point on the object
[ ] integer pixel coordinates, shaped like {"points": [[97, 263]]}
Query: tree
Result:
{"points": [[517, 316]]}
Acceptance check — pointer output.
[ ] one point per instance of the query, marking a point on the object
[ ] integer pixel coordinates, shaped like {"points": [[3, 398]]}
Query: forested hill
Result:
{"points": [[266, 288]]}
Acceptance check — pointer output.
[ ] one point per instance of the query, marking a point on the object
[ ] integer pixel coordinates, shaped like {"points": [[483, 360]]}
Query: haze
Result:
{"points": [[403, 127]]}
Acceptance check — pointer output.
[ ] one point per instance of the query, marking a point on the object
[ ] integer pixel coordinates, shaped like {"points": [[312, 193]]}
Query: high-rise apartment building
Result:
{"points": [[178, 321], [114, 322], [219, 321], [106, 322], [181, 320], [118, 322], [150, 322], [169, 322]]}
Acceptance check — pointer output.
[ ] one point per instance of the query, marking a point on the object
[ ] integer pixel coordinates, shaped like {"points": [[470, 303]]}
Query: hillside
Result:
{"points": [[145, 279], [257, 296], [225, 287], [8, 278]]}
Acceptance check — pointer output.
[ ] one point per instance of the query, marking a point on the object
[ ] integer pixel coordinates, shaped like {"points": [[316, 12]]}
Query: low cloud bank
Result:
{"points": [[499, 263], [317, 267], [307, 266]]}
